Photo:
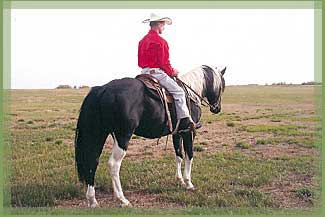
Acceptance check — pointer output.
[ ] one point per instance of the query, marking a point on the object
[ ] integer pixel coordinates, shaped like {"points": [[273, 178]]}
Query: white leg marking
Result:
{"points": [[187, 173], [114, 163], [90, 195], [179, 176]]}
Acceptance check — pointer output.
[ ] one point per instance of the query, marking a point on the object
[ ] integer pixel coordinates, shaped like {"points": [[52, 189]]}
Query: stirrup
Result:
{"points": [[195, 127], [190, 129], [185, 130]]}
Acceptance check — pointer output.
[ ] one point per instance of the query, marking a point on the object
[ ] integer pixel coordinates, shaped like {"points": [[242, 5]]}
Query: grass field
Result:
{"points": [[262, 152]]}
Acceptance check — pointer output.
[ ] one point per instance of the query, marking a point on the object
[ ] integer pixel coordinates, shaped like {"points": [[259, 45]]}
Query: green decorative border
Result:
{"points": [[167, 4], [4, 121], [6, 83], [162, 4], [1, 116]]}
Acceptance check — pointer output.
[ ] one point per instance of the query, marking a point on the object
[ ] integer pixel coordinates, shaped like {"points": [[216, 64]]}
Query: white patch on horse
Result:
{"points": [[90, 195], [114, 163], [179, 176], [195, 79], [187, 173]]}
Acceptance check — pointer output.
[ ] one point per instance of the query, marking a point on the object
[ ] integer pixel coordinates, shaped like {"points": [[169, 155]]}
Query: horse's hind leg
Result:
{"points": [[90, 194], [177, 141], [114, 163]]}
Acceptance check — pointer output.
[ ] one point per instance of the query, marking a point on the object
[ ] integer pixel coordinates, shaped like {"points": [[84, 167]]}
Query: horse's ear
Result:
{"points": [[223, 71]]}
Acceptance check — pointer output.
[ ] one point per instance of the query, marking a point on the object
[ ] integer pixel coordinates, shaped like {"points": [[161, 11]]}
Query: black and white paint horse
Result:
{"points": [[124, 107]]}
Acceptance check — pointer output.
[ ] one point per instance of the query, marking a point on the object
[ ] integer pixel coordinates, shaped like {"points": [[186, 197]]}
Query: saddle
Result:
{"points": [[153, 84], [165, 97]]}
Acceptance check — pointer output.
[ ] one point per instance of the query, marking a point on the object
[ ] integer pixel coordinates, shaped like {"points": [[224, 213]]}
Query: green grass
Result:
{"points": [[269, 96], [228, 175], [292, 130], [266, 141], [307, 142], [230, 124], [304, 193], [198, 148], [58, 142], [276, 119], [162, 211], [243, 145], [41, 135]]}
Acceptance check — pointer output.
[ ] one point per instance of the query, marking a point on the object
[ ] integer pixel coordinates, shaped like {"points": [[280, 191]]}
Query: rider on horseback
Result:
{"points": [[153, 58]]}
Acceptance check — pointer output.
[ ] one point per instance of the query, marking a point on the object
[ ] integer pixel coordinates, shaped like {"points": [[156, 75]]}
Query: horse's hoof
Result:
{"points": [[190, 188], [94, 204], [126, 205], [181, 181], [189, 185]]}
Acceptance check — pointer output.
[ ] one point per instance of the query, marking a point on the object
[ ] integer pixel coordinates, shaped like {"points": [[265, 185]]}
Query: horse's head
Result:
{"points": [[215, 86]]}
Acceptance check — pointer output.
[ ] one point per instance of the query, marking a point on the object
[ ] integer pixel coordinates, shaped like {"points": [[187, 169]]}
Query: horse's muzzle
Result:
{"points": [[215, 109]]}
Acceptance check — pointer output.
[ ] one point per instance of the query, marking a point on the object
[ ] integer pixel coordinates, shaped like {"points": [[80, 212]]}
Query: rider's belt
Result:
{"points": [[150, 70]]}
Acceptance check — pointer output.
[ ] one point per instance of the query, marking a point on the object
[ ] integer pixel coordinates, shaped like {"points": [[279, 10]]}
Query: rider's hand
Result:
{"points": [[176, 72]]}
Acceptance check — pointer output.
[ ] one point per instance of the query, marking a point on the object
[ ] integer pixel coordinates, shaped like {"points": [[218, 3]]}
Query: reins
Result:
{"points": [[198, 95]]}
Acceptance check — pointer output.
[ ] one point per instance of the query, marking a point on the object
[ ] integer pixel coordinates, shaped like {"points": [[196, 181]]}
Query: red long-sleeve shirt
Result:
{"points": [[153, 52]]}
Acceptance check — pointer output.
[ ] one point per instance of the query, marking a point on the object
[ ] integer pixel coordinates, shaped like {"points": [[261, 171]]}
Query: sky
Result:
{"points": [[51, 47]]}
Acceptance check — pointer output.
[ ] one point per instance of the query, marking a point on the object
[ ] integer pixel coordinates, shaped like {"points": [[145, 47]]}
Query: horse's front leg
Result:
{"points": [[188, 146], [90, 195], [177, 141]]}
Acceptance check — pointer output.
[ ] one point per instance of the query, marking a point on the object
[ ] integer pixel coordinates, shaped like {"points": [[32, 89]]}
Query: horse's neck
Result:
{"points": [[196, 80]]}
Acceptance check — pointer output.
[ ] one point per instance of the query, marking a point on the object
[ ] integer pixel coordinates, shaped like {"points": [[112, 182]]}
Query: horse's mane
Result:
{"points": [[195, 78]]}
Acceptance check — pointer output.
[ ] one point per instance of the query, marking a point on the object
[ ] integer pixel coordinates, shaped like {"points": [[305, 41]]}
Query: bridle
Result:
{"points": [[218, 100]]}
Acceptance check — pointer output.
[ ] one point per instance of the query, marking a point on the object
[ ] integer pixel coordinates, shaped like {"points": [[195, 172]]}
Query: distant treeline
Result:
{"points": [[304, 83], [64, 86], [273, 84], [311, 83]]}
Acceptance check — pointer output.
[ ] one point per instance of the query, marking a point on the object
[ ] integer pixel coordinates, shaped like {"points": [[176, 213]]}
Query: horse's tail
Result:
{"points": [[89, 138]]}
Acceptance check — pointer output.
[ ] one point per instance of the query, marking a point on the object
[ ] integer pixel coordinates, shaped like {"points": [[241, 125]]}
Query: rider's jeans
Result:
{"points": [[173, 88]]}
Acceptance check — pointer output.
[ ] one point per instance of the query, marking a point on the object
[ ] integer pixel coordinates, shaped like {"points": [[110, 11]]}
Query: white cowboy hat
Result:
{"points": [[155, 17]]}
